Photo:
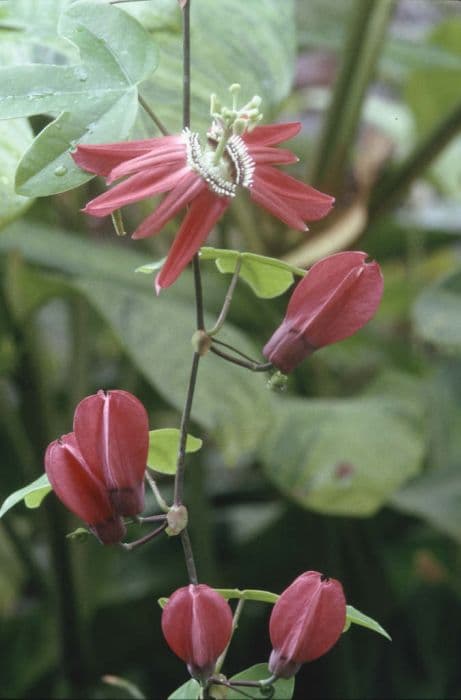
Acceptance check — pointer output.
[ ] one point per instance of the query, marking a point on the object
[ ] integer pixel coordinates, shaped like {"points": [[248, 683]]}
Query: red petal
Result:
{"points": [[75, 485], [113, 436], [277, 206], [184, 192], [140, 186], [167, 155], [271, 134], [205, 211], [102, 158], [309, 203], [266, 154]]}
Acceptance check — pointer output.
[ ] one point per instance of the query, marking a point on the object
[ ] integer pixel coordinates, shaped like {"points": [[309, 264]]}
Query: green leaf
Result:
{"points": [[267, 277], [248, 594], [162, 328], [187, 691], [436, 497], [15, 137], [149, 268], [47, 166], [163, 449], [436, 314], [32, 494], [284, 689], [261, 58], [355, 617], [97, 98], [343, 457]]}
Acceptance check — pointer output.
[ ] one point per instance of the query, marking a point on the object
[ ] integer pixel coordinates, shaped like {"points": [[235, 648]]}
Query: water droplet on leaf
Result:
{"points": [[60, 170]]}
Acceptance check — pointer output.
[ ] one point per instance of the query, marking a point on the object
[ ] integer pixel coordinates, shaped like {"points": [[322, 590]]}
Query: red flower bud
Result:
{"points": [[197, 624], [338, 296], [306, 621], [80, 490], [112, 433]]}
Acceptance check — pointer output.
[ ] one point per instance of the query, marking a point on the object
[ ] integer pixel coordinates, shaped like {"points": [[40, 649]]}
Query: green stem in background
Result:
{"points": [[227, 300], [158, 123], [36, 418], [80, 357], [394, 185], [368, 26]]}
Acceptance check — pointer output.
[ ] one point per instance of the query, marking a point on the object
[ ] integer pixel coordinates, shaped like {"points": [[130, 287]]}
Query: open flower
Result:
{"points": [[205, 178], [197, 624], [98, 470], [338, 296], [306, 621]]}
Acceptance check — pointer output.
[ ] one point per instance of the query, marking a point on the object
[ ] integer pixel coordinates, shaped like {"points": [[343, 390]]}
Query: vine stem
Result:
{"points": [[253, 366], [185, 419], [157, 121]]}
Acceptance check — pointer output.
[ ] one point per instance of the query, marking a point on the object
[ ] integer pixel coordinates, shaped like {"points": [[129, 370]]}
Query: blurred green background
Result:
{"points": [[354, 470]]}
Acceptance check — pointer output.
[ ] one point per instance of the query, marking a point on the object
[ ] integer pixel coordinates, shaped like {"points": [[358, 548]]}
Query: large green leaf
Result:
{"points": [[251, 43], [15, 137], [32, 494], [342, 457], [436, 497], [436, 314], [97, 98], [230, 401]]}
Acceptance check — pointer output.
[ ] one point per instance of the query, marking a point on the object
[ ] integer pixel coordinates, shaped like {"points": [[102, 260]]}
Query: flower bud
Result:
{"points": [[338, 296], [197, 625], [80, 490], [112, 433], [306, 621]]}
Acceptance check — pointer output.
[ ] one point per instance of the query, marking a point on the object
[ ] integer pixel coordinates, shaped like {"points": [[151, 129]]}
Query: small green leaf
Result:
{"points": [[267, 277], [187, 691], [151, 267], [163, 449], [436, 314], [354, 616], [80, 534], [248, 594], [32, 494], [284, 689]]}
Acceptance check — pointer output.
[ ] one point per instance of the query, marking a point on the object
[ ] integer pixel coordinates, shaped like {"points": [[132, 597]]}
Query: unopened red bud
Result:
{"points": [[112, 433], [80, 490], [197, 625], [306, 621], [338, 296]]}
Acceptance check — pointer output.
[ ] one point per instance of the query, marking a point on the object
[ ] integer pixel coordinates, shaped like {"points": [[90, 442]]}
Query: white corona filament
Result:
{"points": [[242, 164]]}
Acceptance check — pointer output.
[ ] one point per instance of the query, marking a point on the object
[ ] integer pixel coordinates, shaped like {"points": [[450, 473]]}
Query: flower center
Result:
{"points": [[235, 166]]}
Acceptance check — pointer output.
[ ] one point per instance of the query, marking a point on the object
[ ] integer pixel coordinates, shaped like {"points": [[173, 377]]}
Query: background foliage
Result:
{"points": [[353, 471]]}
